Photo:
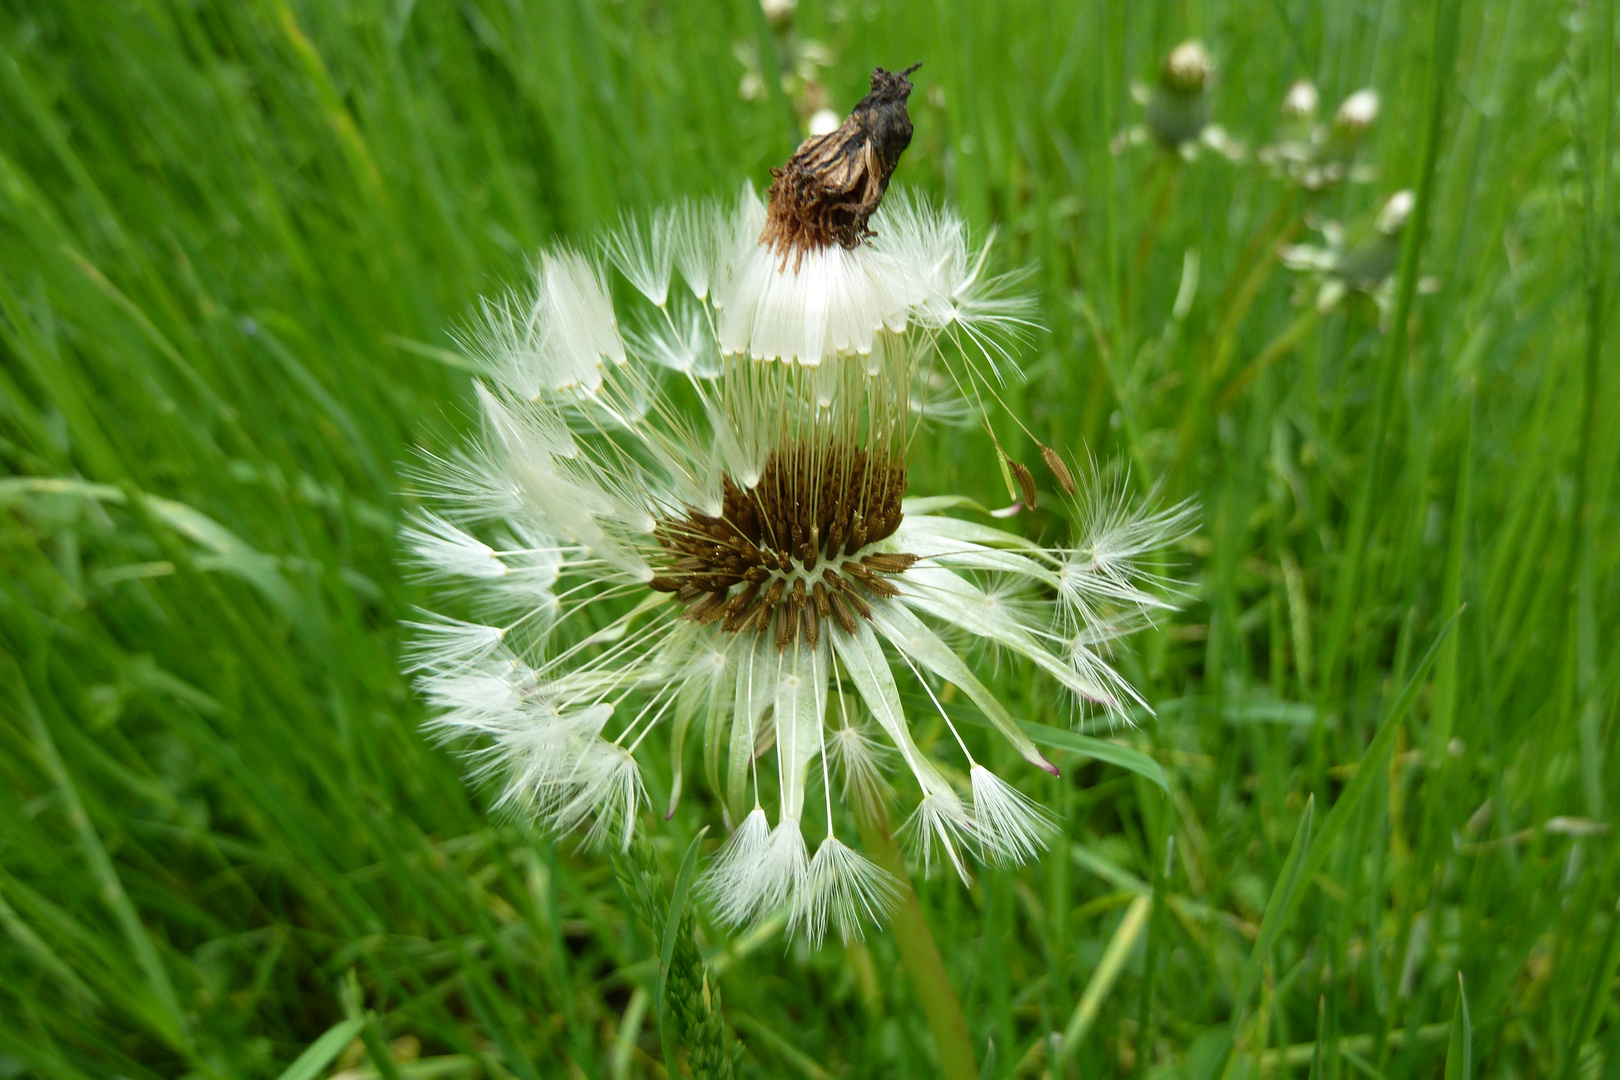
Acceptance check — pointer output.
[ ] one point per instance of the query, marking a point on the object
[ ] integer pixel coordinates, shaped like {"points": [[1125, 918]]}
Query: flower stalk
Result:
{"points": [[919, 952]]}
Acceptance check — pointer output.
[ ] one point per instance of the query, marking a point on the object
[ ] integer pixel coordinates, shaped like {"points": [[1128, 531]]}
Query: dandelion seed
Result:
{"points": [[645, 254], [845, 889], [1010, 827], [731, 880], [443, 549], [859, 759], [937, 827], [756, 566], [445, 645]]}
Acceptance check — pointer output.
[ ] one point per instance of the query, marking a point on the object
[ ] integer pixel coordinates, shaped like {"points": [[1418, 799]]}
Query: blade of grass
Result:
{"points": [[1106, 973], [1460, 1051], [1347, 581], [1086, 746], [666, 949], [319, 1054], [1271, 925], [1305, 864], [1150, 959], [167, 1017], [1596, 997]]}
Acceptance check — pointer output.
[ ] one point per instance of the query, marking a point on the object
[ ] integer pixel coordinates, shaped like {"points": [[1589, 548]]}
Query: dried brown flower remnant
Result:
{"points": [[833, 183]]}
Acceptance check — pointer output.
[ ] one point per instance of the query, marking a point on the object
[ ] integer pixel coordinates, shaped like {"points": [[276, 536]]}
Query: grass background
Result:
{"points": [[232, 239]]}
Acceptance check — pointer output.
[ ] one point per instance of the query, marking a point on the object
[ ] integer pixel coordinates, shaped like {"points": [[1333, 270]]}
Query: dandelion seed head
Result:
{"points": [[704, 522]]}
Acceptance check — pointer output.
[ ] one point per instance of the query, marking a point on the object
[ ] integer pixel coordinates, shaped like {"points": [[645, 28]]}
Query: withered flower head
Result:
{"points": [[833, 183]]}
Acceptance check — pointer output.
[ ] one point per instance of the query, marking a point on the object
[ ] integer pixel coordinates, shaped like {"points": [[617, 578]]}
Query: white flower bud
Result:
{"points": [[1357, 112], [1392, 218], [778, 12], [1188, 68], [1301, 101]]}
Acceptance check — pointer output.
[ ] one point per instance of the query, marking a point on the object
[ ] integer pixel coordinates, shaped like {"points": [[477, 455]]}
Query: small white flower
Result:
{"points": [[1176, 109], [1321, 156], [1365, 266], [1188, 67], [779, 12]]}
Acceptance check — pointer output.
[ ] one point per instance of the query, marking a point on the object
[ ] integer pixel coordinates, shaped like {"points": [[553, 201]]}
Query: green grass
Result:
{"points": [[233, 238]]}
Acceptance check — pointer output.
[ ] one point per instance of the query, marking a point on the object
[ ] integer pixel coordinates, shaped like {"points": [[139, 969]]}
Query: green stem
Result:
{"points": [[1276, 232], [1280, 345], [921, 956], [1347, 599], [1155, 940], [1254, 265], [1579, 579], [1161, 207]]}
